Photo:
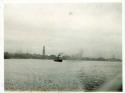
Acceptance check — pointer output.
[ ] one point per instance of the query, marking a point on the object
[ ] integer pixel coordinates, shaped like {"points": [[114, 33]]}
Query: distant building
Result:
{"points": [[44, 51]]}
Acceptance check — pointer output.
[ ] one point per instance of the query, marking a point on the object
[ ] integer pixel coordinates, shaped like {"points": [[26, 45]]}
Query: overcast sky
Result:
{"points": [[94, 28]]}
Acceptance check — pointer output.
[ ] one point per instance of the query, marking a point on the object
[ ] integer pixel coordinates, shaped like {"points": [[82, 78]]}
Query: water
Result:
{"points": [[47, 75]]}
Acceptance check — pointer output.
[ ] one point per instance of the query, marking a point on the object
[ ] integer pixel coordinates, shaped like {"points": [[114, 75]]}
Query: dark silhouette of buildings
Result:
{"points": [[78, 56]]}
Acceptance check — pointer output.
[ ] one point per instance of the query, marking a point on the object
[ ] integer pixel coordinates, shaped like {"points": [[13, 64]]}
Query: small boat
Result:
{"points": [[58, 59]]}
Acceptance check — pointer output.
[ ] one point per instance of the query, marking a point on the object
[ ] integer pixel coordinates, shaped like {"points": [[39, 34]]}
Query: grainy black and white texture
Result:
{"points": [[88, 35]]}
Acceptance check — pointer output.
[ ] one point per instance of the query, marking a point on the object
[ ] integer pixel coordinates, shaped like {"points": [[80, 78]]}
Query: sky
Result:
{"points": [[94, 28]]}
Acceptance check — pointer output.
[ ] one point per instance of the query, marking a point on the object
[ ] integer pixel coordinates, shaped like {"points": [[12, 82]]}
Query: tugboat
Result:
{"points": [[59, 58]]}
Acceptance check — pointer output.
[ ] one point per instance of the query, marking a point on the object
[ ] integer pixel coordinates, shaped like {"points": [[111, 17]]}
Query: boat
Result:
{"points": [[58, 58]]}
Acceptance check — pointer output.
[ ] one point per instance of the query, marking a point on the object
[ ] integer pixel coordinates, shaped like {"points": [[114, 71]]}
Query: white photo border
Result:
{"points": [[52, 1]]}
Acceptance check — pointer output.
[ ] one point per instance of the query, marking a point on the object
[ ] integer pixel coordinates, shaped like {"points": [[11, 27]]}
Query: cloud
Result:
{"points": [[92, 27]]}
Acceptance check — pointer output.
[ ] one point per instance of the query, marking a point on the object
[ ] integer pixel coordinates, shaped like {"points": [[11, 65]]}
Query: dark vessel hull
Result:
{"points": [[58, 60]]}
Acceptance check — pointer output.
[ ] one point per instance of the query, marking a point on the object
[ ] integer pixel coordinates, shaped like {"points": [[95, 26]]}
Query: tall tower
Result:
{"points": [[43, 50]]}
